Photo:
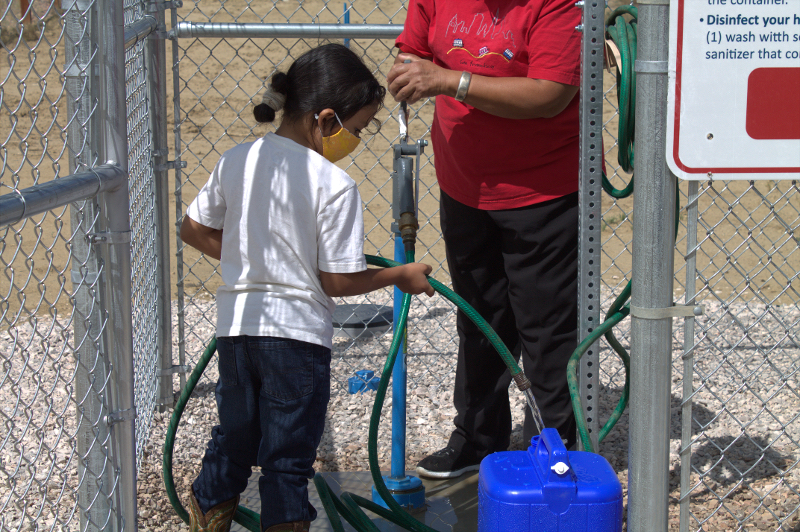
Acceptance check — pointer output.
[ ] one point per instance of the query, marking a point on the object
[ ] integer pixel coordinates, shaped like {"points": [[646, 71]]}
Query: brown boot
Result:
{"points": [[217, 519], [295, 526]]}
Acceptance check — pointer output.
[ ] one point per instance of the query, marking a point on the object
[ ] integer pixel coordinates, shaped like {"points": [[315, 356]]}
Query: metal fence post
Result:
{"points": [[94, 491], [117, 257], [653, 252], [179, 284], [688, 354], [591, 169], [155, 63]]}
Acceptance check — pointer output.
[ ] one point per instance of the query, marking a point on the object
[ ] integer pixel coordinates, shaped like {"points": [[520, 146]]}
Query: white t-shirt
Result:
{"points": [[286, 213]]}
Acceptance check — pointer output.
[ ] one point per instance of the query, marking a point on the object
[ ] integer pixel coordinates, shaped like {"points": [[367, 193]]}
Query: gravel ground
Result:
{"points": [[746, 428]]}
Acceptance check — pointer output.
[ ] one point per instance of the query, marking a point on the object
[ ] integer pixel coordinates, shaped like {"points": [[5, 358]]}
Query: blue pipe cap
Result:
{"points": [[363, 380], [408, 492]]}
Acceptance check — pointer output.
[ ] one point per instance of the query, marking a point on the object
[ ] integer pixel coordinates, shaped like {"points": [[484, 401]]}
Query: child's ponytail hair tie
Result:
{"points": [[273, 98]]}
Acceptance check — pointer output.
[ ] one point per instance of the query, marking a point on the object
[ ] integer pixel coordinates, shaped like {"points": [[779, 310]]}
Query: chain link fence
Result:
{"points": [[741, 432], [734, 441], [67, 449], [734, 444], [54, 445], [733, 465]]}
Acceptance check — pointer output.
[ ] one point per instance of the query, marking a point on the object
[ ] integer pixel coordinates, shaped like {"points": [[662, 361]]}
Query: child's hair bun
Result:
{"points": [[273, 99], [263, 113], [280, 82], [330, 76]]}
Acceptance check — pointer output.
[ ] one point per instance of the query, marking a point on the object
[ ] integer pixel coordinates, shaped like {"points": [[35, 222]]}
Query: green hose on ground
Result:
{"points": [[348, 505]]}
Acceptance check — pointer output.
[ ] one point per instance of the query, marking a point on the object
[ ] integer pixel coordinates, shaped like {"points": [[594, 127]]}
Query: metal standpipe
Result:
{"points": [[115, 249], [653, 255], [407, 490]]}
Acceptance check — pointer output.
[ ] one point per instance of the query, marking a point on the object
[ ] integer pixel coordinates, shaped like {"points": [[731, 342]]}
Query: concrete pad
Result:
{"points": [[452, 504]]}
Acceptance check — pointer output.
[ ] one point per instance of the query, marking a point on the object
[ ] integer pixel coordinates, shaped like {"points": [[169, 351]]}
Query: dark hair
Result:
{"points": [[329, 76]]}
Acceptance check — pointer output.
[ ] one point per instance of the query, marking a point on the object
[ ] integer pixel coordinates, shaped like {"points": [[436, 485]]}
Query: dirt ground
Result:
{"points": [[218, 81]]}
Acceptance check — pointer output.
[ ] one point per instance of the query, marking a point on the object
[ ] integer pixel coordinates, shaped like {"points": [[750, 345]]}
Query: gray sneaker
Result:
{"points": [[446, 463]]}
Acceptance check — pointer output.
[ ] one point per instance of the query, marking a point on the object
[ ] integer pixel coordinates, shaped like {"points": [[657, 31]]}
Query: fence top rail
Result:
{"points": [[139, 30], [298, 31], [37, 199]]}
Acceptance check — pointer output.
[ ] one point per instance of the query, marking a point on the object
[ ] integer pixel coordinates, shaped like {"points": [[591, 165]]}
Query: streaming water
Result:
{"points": [[537, 415]]}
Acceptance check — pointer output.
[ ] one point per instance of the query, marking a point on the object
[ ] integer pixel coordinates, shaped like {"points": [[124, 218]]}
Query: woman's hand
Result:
{"points": [[506, 97], [420, 79]]}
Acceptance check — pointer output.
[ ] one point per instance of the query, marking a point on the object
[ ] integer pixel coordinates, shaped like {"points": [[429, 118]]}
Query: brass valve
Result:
{"points": [[408, 226]]}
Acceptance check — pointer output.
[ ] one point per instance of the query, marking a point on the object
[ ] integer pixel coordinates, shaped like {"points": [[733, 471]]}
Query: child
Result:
{"points": [[286, 225]]}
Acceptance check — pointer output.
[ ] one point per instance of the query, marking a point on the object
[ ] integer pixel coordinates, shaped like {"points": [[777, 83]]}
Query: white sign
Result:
{"points": [[734, 95]]}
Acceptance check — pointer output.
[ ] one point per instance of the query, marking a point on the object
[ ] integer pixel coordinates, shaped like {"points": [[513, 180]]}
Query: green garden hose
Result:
{"points": [[348, 505], [623, 33]]}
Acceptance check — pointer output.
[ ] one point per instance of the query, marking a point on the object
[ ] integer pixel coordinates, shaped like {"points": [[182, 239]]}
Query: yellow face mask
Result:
{"points": [[339, 145]]}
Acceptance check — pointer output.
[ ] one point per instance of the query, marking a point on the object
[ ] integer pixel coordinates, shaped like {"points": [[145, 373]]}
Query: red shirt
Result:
{"points": [[482, 160]]}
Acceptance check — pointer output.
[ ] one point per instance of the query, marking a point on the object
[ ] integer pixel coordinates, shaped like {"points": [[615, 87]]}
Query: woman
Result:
{"points": [[505, 75]]}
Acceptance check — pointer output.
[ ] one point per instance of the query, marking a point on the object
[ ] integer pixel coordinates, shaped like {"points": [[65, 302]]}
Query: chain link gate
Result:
{"points": [[80, 319]]}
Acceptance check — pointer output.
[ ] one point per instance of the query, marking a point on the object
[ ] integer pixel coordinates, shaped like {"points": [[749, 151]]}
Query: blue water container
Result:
{"points": [[548, 489]]}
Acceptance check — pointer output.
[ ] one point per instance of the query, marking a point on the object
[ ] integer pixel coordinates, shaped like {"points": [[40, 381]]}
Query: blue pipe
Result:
{"points": [[346, 21], [399, 380], [406, 490]]}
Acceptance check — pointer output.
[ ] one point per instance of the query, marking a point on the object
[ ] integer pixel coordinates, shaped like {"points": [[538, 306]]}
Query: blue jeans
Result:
{"points": [[272, 396]]}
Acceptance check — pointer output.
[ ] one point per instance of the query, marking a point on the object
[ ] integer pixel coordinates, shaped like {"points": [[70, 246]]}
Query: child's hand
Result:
{"points": [[410, 278], [413, 279]]}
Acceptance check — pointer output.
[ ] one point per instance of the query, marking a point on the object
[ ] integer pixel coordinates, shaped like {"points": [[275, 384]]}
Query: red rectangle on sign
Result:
{"points": [[773, 103]]}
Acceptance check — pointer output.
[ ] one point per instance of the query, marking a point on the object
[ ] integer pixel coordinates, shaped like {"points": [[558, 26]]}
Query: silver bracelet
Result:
{"points": [[463, 86]]}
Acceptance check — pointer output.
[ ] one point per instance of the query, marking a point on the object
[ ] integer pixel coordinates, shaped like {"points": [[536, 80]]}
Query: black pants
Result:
{"points": [[519, 269]]}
